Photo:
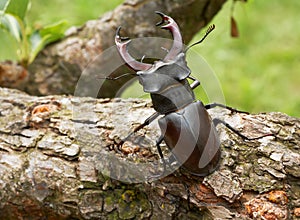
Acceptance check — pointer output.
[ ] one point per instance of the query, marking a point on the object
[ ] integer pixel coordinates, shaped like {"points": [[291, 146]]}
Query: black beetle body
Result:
{"points": [[194, 143], [167, 84], [186, 127]]}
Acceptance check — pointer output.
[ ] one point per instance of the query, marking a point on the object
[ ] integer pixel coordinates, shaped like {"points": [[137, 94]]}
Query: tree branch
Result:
{"points": [[57, 161], [59, 66]]}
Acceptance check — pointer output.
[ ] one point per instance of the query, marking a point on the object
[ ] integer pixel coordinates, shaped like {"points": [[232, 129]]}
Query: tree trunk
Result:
{"points": [[59, 66], [58, 161]]}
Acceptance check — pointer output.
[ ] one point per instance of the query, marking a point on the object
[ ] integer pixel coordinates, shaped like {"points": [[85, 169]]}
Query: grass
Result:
{"points": [[257, 72]]}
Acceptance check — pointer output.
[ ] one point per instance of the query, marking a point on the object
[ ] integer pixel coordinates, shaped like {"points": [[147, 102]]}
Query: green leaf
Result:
{"points": [[17, 8], [56, 30], [3, 4], [48, 34], [10, 23]]}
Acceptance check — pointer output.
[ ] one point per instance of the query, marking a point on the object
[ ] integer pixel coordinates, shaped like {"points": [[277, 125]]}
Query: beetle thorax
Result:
{"points": [[167, 84]]}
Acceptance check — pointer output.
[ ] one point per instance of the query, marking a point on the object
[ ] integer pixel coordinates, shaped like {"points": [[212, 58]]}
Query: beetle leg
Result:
{"points": [[161, 138], [146, 122], [213, 105], [217, 121], [158, 142], [196, 82]]}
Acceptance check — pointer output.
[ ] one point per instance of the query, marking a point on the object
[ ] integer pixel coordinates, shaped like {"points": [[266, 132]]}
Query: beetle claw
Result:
{"points": [[163, 16], [172, 26], [122, 48], [166, 20], [120, 38]]}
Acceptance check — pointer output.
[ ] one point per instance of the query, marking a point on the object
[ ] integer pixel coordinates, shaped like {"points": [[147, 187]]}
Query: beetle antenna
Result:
{"points": [[210, 29], [118, 77]]}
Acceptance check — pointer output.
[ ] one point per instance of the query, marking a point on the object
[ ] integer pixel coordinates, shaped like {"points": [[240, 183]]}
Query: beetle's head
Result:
{"points": [[166, 23]]}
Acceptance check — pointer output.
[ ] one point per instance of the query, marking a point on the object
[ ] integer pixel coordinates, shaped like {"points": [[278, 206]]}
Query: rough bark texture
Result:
{"points": [[59, 66], [57, 162]]}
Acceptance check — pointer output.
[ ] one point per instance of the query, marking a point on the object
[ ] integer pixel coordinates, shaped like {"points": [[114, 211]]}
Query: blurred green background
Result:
{"points": [[258, 72]]}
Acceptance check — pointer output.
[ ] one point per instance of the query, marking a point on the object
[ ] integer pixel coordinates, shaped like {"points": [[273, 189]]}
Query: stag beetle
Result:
{"points": [[186, 127]]}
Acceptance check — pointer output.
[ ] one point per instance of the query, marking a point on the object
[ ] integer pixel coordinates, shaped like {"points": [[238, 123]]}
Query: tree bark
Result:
{"points": [[57, 161], [59, 66]]}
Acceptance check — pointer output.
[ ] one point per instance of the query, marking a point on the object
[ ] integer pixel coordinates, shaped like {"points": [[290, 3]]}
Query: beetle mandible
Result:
{"points": [[186, 127]]}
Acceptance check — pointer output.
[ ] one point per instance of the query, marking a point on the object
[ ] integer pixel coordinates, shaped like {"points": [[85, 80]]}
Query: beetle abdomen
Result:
{"points": [[192, 138]]}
